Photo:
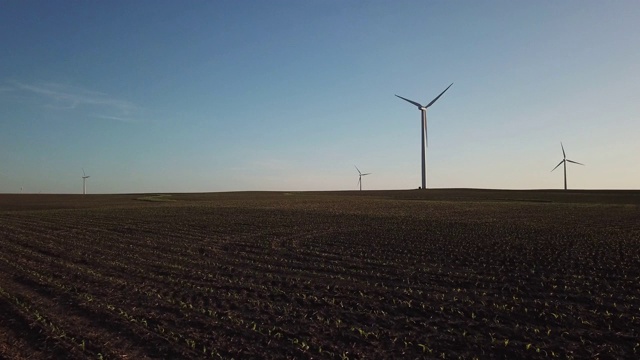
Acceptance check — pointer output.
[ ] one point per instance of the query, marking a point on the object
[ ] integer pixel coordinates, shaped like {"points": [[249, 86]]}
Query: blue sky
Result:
{"points": [[198, 96]]}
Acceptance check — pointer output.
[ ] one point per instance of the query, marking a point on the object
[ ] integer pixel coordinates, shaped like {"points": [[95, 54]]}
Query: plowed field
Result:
{"points": [[436, 274]]}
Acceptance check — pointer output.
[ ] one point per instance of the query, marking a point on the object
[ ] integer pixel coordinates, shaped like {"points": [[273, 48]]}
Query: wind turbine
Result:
{"points": [[564, 161], [84, 182], [360, 177], [423, 135]]}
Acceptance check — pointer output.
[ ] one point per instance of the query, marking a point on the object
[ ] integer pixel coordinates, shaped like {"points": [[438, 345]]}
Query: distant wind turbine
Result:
{"points": [[423, 135], [84, 182], [564, 161], [360, 175]]}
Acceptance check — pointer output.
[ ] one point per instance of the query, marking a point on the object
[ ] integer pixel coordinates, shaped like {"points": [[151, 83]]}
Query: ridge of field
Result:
{"points": [[444, 273], [75, 201]]}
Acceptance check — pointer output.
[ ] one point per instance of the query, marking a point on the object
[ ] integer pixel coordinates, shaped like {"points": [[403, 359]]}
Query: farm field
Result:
{"points": [[448, 274]]}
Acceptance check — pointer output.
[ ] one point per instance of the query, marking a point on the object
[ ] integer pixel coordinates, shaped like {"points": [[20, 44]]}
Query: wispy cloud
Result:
{"points": [[66, 97], [116, 118]]}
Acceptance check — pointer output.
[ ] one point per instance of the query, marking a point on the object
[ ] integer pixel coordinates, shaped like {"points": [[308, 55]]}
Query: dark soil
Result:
{"points": [[396, 274]]}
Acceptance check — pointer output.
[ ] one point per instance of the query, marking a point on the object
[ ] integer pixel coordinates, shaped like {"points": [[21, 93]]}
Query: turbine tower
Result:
{"points": [[423, 135], [360, 175], [84, 182], [564, 161]]}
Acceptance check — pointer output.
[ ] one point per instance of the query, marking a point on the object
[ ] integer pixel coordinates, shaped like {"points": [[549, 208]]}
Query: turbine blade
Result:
{"points": [[558, 165], [358, 170], [563, 154], [575, 162], [366, 174], [411, 101], [83, 174], [426, 138], [438, 97]]}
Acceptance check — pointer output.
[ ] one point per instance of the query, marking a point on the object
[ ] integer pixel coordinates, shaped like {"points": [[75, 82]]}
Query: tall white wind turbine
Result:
{"points": [[564, 161], [423, 135], [84, 182], [360, 175]]}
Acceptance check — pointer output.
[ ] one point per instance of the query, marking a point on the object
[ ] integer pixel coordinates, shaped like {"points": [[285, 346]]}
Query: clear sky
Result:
{"points": [[198, 96]]}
